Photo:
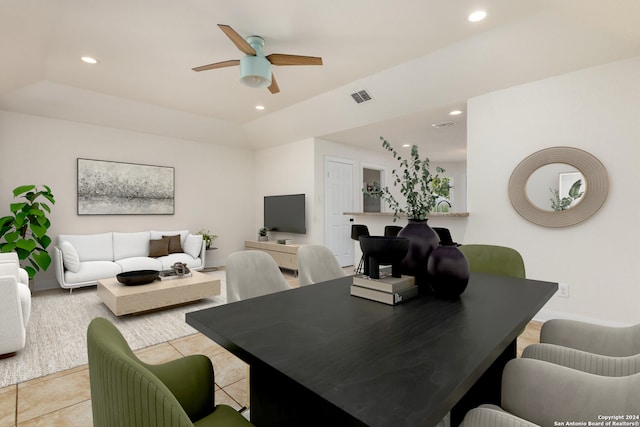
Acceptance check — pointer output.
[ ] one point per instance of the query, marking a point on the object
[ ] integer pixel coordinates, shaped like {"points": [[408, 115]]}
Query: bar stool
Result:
{"points": [[392, 230], [358, 230]]}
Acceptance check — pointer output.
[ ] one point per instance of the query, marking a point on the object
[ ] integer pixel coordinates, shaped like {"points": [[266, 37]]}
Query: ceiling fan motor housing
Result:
{"points": [[255, 71]]}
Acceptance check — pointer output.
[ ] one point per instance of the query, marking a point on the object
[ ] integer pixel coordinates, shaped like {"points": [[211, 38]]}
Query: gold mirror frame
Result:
{"points": [[591, 168]]}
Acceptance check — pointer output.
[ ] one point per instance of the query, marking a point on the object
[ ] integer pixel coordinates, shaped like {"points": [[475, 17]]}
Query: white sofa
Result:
{"points": [[83, 259]]}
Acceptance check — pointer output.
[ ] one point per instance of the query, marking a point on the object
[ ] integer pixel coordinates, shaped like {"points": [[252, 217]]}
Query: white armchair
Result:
{"points": [[15, 305]]}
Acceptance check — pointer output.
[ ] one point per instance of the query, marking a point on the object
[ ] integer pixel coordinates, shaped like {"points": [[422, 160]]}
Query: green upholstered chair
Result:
{"points": [[127, 392], [492, 259]]}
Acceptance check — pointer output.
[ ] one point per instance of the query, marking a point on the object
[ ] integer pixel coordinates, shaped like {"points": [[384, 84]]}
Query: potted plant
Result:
{"points": [[262, 234], [208, 237], [418, 185], [25, 230], [421, 189]]}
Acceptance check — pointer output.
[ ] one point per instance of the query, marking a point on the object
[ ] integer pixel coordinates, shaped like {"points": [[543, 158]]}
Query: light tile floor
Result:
{"points": [[63, 399]]}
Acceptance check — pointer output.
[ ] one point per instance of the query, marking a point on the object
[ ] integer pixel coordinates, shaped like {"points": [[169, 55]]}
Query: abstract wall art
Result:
{"points": [[115, 188]]}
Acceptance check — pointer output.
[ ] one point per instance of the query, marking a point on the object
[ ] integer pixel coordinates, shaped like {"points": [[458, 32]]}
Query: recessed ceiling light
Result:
{"points": [[89, 60], [443, 124], [259, 107], [455, 112], [477, 16]]}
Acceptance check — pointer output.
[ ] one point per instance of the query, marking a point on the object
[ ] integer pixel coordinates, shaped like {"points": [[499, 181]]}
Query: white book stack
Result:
{"points": [[388, 290]]}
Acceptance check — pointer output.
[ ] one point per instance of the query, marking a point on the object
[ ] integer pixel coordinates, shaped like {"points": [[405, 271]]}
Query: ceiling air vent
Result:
{"points": [[361, 96], [444, 124]]}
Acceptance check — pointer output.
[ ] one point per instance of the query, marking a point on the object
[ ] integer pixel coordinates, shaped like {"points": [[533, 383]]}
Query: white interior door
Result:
{"points": [[339, 199]]}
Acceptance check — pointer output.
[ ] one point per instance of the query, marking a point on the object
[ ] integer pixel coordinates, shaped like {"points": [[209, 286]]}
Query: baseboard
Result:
{"points": [[546, 314]]}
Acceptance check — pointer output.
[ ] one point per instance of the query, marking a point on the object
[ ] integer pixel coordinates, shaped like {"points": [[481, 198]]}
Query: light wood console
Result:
{"points": [[286, 256]]}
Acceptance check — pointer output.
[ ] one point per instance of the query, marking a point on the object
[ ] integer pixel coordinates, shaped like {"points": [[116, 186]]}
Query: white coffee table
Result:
{"points": [[123, 299]]}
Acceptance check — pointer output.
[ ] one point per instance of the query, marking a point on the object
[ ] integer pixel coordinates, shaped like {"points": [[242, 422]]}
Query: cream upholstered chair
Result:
{"points": [[15, 305], [316, 263], [605, 340], [601, 350], [537, 393], [252, 274]]}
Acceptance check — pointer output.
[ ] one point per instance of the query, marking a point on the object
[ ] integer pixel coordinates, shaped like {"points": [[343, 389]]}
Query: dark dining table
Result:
{"points": [[321, 357]]}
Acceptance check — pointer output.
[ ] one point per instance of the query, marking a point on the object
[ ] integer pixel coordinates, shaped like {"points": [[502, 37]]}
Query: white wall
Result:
{"points": [[214, 185], [595, 110], [285, 169]]}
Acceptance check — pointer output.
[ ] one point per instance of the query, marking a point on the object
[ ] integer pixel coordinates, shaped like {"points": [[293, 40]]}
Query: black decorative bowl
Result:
{"points": [[137, 277], [381, 250]]}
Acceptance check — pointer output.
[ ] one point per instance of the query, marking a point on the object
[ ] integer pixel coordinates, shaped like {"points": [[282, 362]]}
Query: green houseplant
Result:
{"points": [[562, 204], [417, 184], [262, 234], [25, 230], [208, 237]]}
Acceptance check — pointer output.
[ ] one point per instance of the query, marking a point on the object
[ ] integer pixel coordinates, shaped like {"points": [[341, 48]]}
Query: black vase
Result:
{"points": [[422, 241], [448, 270]]}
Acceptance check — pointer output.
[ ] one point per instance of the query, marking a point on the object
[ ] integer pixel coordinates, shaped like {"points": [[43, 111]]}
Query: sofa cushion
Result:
{"points": [[159, 247], [129, 245], [90, 247], [70, 257], [90, 271], [175, 245], [139, 263], [193, 245], [158, 234]]}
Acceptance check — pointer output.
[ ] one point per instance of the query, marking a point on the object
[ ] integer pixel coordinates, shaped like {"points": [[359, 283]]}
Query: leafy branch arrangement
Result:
{"points": [[420, 187], [25, 232], [558, 204]]}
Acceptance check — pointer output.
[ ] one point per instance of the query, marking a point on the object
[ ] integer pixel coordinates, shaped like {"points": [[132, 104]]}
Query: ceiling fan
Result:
{"points": [[255, 67]]}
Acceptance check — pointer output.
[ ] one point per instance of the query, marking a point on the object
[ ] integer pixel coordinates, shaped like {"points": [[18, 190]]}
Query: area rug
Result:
{"points": [[56, 334]]}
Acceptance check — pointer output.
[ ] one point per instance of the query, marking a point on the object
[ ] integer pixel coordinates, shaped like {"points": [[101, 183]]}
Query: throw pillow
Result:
{"points": [[70, 257], [193, 244], [158, 247], [174, 244]]}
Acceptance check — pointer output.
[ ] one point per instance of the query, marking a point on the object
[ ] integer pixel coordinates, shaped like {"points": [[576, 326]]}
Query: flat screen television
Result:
{"points": [[285, 213]]}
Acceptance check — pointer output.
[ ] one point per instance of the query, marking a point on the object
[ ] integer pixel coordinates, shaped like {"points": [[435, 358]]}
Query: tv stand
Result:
{"points": [[286, 256]]}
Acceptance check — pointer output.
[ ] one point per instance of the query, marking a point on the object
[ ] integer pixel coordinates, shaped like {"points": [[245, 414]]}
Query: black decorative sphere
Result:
{"points": [[448, 271], [422, 241]]}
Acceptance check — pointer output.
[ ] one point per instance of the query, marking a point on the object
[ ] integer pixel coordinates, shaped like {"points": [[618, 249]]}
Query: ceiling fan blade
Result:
{"points": [[283, 59], [222, 64], [273, 88], [237, 39]]}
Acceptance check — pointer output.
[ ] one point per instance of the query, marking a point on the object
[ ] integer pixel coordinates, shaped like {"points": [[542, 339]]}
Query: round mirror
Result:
{"points": [[579, 178], [556, 187]]}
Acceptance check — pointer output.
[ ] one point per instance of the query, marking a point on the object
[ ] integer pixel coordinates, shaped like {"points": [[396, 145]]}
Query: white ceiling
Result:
{"points": [[418, 58]]}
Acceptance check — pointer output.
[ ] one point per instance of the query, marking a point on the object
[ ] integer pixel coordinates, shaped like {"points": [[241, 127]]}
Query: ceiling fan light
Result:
{"points": [[255, 71]]}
